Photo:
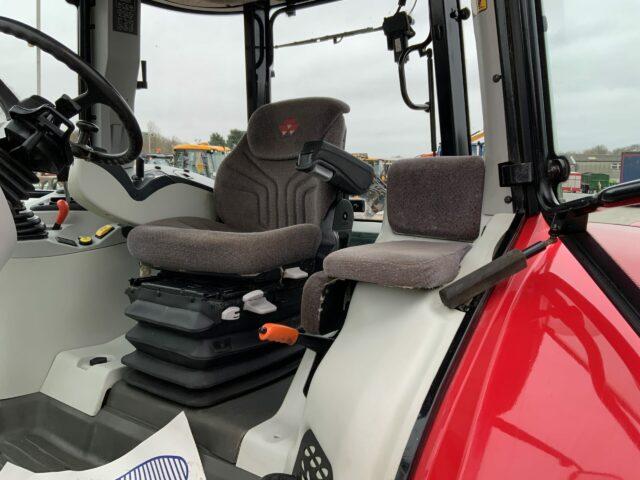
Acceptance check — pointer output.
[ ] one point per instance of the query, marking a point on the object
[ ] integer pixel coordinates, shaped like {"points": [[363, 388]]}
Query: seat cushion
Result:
{"points": [[206, 246], [405, 263]]}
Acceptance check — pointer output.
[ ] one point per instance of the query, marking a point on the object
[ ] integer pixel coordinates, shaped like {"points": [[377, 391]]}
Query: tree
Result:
{"points": [[217, 139], [597, 150], [629, 148], [234, 137]]}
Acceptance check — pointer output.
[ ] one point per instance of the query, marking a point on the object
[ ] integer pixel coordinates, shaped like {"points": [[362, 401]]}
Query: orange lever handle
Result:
{"points": [[63, 211], [272, 332]]}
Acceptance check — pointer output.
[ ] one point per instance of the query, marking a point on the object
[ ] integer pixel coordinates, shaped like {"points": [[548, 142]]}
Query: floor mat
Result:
{"points": [[169, 454]]}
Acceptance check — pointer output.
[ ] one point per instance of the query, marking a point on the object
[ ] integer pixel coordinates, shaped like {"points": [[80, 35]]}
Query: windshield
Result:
{"points": [[202, 162], [593, 65]]}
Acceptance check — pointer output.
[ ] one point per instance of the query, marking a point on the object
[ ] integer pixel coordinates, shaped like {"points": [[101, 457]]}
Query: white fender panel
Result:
{"points": [[367, 392]]}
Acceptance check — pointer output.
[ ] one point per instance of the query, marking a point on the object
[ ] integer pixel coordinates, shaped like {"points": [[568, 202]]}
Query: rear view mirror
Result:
{"points": [[620, 193], [613, 196], [573, 216]]}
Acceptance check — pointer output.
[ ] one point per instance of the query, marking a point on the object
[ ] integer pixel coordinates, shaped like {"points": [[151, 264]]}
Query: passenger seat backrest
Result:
{"points": [[438, 197], [258, 187]]}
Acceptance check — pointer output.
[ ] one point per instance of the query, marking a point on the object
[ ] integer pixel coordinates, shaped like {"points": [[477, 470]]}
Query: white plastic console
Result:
{"points": [[81, 378]]}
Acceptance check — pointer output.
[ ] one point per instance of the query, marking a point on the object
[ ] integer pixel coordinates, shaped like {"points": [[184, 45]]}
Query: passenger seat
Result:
{"points": [[432, 215]]}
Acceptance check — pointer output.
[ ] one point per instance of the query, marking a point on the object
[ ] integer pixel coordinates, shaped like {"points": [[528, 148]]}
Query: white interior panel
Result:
{"points": [[367, 392], [7, 231], [265, 448], [63, 302], [73, 381], [98, 191]]}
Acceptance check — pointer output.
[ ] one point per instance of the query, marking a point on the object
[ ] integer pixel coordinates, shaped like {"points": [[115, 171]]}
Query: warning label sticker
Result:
{"points": [[479, 6], [125, 16]]}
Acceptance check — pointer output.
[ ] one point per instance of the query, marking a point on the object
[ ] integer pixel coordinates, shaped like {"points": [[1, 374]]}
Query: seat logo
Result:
{"points": [[289, 127]]}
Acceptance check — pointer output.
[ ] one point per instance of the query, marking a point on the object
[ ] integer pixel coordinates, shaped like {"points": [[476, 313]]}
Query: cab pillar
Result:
{"points": [[258, 55]]}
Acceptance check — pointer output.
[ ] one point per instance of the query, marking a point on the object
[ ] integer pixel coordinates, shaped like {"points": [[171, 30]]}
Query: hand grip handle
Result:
{"points": [[273, 332], [463, 290]]}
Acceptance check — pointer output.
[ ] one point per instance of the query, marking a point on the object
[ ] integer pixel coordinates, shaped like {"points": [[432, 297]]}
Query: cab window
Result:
{"points": [[196, 75], [361, 71], [594, 96]]}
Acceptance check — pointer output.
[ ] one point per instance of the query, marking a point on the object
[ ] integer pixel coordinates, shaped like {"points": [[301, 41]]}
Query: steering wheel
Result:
{"points": [[99, 91]]}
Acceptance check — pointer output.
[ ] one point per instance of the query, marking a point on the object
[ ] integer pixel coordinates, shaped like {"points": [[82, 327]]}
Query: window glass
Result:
{"points": [[19, 60], [361, 71], [203, 162], [594, 73], [196, 74]]}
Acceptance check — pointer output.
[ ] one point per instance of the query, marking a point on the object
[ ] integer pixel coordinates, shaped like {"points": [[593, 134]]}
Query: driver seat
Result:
{"points": [[268, 214]]}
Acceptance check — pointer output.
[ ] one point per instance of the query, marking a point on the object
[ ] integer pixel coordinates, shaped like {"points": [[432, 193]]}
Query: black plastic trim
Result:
{"points": [[612, 280], [451, 81], [258, 48], [519, 85], [176, 8]]}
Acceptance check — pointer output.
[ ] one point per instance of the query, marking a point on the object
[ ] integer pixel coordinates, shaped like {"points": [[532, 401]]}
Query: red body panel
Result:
{"points": [[548, 386], [621, 243]]}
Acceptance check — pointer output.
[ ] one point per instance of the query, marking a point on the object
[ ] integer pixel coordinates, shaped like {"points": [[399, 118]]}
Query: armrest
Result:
{"points": [[335, 166]]}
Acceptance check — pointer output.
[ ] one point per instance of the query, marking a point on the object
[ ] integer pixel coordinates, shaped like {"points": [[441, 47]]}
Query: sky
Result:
{"points": [[197, 84]]}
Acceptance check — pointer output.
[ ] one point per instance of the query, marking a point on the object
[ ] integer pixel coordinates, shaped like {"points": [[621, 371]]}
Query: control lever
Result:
{"points": [[63, 212], [274, 332], [139, 168]]}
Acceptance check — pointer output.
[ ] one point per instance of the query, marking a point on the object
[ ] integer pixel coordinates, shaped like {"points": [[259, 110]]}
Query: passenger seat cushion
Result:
{"points": [[404, 263], [210, 247], [278, 131], [438, 197]]}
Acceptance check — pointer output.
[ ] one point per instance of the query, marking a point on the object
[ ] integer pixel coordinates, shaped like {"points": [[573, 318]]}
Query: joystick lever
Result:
{"points": [[63, 211]]}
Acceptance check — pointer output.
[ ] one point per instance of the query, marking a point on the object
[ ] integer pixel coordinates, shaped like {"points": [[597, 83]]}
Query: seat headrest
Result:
{"points": [[278, 131], [438, 197]]}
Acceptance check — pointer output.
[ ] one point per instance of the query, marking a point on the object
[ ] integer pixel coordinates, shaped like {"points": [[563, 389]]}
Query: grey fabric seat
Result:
{"points": [[269, 215], [433, 211], [404, 263], [436, 198], [268, 249]]}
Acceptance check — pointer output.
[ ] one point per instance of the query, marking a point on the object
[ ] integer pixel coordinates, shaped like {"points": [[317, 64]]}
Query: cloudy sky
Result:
{"points": [[196, 71]]}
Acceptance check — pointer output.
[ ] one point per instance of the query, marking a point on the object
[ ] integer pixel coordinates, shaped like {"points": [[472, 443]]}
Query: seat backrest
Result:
{"points": [[257, 185], [439, 197]]}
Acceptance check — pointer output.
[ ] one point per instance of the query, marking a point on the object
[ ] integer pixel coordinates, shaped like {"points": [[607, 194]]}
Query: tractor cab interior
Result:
{"points": [[268, 249], [258, 304]]}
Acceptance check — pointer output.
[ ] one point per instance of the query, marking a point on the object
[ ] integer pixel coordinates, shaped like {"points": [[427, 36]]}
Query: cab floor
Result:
{"points": [[44, 435]]}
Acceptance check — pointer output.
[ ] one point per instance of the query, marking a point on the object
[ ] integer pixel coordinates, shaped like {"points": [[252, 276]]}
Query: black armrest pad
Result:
{"points": [[341, 169]]}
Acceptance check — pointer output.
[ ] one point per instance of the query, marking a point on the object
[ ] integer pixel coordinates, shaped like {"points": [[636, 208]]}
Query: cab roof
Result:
{"points": [[212, 6]]}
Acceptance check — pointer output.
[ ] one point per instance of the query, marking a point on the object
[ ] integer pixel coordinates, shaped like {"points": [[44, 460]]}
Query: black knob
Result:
{"points": [[86, 129], [140, 168]]}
